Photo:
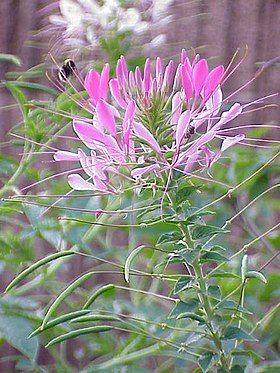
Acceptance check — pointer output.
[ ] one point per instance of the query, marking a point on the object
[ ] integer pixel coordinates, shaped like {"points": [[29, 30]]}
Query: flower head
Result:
{"points": [[159, 120]]}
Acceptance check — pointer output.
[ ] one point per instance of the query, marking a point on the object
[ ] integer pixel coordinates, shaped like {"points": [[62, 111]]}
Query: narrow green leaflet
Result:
{"points": [[183, 307], [182, 284], [212, 256], [233, 332], [206, 361], [184, 192], [10, 58], [199, 231]]}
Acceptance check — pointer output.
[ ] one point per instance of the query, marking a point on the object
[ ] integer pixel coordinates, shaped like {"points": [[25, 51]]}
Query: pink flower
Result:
{"points": [[158, 121]]}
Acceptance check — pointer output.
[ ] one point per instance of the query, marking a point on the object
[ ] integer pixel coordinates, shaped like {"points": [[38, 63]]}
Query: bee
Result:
{"points": [[190, 131], [67, 69]]}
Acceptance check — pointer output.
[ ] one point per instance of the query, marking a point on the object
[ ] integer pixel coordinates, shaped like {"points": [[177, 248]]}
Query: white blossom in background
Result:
{"points": [[82, 23]]}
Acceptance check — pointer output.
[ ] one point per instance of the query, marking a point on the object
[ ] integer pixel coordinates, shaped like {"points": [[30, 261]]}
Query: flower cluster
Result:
{"points": [[154, 123], [83, 23]]}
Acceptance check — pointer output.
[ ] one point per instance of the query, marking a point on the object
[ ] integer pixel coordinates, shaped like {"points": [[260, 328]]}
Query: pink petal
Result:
{"points": [[230, 141], [85, 163], [62, 155], [98, 165], [213, 80], [183, 122], [158, 72], [124, 68], [183, 56], [92, 85], [78, 183], [143, 133], [226, 116], [214, 103], [119, 73], [204, 139], [138, 78], [147, 76], [99, 184], [116, 93], [177, 78], [131, 80], [191, 161], [176, 107], [104, 81], [88, 133], [168, 74], [106, 117], [200, 73], [187, 83], [227, 143], [142, 170]]}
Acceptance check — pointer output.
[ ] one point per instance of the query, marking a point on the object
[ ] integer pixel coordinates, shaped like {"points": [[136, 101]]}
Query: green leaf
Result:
{"points": [[52, 236], [250, 353], [233, 332], [9, 210], [129, 259], [78, 333], [10, 58], [214, 291], [169, 237], [199, 231], [256, 274], [206, 361], [20, 98], [191, 315], [212, 256], [182, 284], [15, 330], [219, 273], [237, 369], [231, 305], [182, 307], [184, 192], [35, 86]]}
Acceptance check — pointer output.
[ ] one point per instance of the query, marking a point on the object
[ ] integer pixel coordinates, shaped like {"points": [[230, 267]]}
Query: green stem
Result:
{"points": [[202, 293]]}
